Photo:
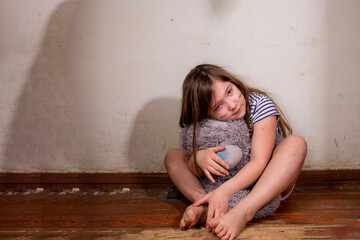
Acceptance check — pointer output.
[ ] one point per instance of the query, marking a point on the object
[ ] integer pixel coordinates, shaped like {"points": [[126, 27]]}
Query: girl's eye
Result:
{"points": [[230, 91], [218, 107]]}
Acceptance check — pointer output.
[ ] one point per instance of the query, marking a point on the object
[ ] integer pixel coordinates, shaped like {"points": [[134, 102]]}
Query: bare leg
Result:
{"points": [[188, 184], [279, 176]]}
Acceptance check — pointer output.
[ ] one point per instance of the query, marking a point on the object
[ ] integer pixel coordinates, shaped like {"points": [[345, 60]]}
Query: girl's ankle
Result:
{"points": [[247, 212], [249, 216]]}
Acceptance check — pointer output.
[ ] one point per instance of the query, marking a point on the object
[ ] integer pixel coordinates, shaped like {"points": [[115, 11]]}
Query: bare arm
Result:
{"points": [[262, 144], [193, 168]]}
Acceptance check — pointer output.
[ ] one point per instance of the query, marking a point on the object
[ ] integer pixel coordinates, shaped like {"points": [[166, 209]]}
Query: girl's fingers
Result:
{"points": [[201, 201], [210, 213], [218, 159], [216, 166], [208, 175], [216, 172], [216, 214], [218, 148]]}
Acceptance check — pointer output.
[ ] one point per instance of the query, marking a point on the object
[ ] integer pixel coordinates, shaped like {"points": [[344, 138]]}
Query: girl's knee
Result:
{"points": [[293, 148], [300, 143], [172, 156], [169, 156], [298, 146]]}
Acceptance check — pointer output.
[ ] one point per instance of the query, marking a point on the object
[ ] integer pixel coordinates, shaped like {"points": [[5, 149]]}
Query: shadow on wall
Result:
{"points": [[44, 127], [155, 131]]}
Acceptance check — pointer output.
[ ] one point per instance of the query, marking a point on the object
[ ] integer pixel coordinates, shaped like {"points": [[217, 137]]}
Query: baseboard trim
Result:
{"points": [[314, 178], [84, 178], [307, 178]]}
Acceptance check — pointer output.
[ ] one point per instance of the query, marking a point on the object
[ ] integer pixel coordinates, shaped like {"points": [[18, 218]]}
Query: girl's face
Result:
{"points": [[227, 103]]}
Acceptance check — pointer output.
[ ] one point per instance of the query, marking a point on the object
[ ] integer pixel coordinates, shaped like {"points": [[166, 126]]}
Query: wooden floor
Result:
{"points": [[330, 210]]}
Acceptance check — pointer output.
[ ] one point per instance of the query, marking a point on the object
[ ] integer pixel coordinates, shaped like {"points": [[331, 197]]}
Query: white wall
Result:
{"points": [[95, 86]]}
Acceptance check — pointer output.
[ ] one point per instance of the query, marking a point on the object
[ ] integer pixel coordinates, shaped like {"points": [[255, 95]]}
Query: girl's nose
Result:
{"points": [[232, 106]]}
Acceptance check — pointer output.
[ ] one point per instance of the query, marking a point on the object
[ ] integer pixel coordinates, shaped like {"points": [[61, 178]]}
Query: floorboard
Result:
{"points": [[152, 211]]}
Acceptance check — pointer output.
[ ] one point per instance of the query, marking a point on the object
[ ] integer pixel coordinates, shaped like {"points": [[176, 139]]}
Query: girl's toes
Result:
{"points": [[219, 228], [182, 224], [227, 237], [212, 222], [221, 234]]}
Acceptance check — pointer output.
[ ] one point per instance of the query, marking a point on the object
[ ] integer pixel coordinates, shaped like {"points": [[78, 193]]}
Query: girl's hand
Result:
{"points": [[211, 163], [218, 202]]}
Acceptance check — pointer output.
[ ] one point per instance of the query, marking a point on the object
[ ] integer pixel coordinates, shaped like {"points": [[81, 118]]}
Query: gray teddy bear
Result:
{"points": [[234, 135]]}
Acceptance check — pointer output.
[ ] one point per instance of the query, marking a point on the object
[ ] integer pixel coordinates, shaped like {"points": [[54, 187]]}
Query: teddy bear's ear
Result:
{"points": [[216, 124]]}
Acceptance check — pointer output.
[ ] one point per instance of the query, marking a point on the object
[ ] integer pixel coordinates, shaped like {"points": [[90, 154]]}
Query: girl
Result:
{"points": [[212, 92]]}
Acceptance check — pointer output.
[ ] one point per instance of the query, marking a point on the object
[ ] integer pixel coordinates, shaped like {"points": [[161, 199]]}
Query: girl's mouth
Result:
{"points": [[237, 111]]}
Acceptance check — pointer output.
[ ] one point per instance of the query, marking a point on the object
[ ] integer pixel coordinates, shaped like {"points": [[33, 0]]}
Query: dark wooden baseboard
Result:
{"points": [[329, 178], [307, 178], [84, 178]]}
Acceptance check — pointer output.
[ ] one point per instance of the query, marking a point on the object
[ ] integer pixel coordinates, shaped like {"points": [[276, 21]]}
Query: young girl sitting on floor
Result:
{"points": [[210, 91]]}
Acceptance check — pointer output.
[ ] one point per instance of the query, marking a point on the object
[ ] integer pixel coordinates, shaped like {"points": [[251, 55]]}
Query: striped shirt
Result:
{"points": [[261, 107]]}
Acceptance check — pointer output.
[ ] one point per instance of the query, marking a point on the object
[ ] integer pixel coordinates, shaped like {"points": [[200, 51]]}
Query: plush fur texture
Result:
{"points": [[211, 133]]}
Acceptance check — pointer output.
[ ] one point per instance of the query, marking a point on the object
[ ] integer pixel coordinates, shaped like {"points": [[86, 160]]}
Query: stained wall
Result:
{"points": [[95, 86]]}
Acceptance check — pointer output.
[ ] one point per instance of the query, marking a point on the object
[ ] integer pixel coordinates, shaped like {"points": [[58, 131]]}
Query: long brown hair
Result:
{"points": [[197, 95]]}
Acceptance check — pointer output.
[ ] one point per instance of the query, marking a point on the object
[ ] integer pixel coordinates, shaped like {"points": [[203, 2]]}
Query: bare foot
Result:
{"points": [[193, 216], [229, 225]]}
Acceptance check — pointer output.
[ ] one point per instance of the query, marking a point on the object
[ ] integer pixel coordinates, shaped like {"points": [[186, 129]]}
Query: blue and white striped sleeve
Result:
{"points": [[261, 107]]}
